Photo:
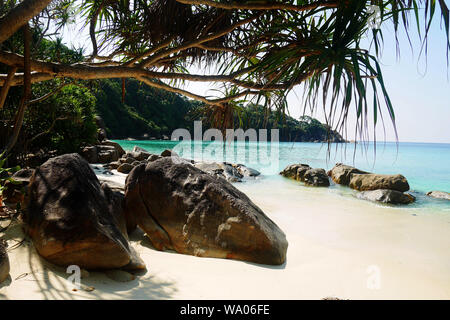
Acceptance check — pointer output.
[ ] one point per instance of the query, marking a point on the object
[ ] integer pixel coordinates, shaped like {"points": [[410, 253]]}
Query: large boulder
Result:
{"points": [[246, 171], [371, 181], [295, 171], [387, 196], [341, 173], [4, 262], [316, 178], [138, 155], [181, 207], [125, 168], [306, 174], [116, 146], [169, 153], [439, 195], [105, 152], [73, 220], [90, 153]]}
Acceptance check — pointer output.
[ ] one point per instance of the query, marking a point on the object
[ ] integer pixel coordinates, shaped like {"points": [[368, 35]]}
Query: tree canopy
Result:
{"points": [[259, 50]]}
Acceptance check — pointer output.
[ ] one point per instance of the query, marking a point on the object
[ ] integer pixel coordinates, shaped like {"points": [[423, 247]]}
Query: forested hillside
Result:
{"points": [[152, 113], [145, 111]]}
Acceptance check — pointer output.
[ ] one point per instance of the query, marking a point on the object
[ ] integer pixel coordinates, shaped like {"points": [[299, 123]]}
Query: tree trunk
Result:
{"points": [[26, 89]]}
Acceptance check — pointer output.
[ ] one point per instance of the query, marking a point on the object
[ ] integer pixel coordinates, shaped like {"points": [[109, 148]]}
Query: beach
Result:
{"points": [[339, 247]]}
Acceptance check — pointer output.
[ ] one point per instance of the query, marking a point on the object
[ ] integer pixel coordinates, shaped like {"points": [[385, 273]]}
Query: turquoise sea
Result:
{"points": [[425, 165]]}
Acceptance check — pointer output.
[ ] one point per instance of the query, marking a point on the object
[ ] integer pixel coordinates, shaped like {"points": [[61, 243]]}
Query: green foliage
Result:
{"points": [[5, 174], [145, 110], [63, 122], [252, 116], [70, 114]]}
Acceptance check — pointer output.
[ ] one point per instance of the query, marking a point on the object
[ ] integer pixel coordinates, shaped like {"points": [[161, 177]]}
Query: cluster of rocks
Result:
{"points": [[306, 174], [74, 219], [374, 187], [105, 152], [228, 171], [129, 160]]}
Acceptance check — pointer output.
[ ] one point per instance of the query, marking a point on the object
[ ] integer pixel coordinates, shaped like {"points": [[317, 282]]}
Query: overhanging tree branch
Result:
{"points": [[19, 16], [266, 5], [6, 85]]}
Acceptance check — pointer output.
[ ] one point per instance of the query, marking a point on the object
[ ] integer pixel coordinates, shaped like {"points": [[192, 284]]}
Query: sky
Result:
{"points": [[419, 87]]}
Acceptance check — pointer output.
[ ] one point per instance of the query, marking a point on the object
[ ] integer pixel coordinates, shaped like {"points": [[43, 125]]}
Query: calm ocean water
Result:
{"points": [[425, 165]]}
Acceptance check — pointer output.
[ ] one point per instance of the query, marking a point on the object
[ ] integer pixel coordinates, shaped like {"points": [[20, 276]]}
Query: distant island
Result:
{"points": [[138, 115]]}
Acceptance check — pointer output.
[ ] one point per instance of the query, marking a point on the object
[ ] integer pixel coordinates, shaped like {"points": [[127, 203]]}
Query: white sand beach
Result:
{"points": [[338, 247]]}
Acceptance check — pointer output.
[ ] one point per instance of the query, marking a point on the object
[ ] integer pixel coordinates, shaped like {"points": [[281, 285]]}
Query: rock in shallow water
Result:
{"points": [[183, 208], [341, 173], [439, 195], [367, 182], [387, 196], [292, 171], [73, 220], [306, 174], [4, 262], [316, 177]]}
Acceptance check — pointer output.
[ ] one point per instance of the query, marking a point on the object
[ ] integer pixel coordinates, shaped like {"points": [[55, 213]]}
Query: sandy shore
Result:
{"points": [[338, 247]]}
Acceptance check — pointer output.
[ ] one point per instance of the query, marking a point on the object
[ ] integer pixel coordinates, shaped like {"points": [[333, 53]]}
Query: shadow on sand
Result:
{"points": [[50, 282], [140, 236]]}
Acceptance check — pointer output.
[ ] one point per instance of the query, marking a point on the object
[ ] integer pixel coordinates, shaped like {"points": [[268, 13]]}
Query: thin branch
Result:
{"points": [[19, 16], [6, 86], [151, 51], [191, 44], [261, 6], [48, 95], [26, 89]]}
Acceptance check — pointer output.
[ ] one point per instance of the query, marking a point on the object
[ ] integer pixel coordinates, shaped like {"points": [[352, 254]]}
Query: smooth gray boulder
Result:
{"points": [[387, 196]]}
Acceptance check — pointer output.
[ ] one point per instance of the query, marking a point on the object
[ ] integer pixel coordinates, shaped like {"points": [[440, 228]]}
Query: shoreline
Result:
{"points": [[335, 246]]}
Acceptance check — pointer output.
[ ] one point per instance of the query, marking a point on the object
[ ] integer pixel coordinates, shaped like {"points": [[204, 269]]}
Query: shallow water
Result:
{"points": [[425, 165]]}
